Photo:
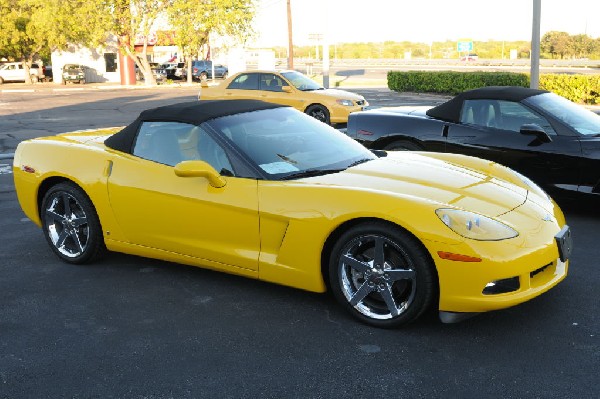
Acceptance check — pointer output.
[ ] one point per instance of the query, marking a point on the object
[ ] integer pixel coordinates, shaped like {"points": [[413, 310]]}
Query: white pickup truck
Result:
{"points": [[14, 72]]}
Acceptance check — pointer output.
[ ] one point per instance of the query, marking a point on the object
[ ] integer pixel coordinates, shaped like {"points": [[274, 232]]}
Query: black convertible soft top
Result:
{"points": [[192, 112], [450, 110]]}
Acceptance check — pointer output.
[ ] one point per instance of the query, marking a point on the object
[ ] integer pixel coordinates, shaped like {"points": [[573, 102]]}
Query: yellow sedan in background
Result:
{"points": [[288, 88]]}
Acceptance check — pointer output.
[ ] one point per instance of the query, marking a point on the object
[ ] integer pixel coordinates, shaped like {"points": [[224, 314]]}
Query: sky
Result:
{"points": [[420, 20]]}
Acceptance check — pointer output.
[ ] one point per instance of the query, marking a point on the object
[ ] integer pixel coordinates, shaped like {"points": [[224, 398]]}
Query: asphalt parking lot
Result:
{"points": [[127, 327]]}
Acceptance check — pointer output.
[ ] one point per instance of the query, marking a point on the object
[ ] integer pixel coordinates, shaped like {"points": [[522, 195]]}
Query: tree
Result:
{"points": [[557, 44], [34, 27], [582, 46], [194, 22], [134, 23]]}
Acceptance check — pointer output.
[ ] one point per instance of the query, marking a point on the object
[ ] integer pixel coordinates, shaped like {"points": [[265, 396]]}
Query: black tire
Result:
{"points": [[1, 81], [224, 76], [71, 225], [403, 145], [318, 112], [203, 76], [382, 275]]}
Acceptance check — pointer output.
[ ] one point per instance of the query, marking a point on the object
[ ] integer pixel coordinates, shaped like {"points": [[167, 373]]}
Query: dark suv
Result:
{"points": [[202, 69]]}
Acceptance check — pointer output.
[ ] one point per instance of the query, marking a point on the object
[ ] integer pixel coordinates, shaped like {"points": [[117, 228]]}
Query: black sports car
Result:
{"points": [[547, 138]]}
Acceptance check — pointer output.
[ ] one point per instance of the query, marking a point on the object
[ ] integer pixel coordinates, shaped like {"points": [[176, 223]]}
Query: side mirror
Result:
{"points": [[531, 129], [286, 89], [200, 169]]}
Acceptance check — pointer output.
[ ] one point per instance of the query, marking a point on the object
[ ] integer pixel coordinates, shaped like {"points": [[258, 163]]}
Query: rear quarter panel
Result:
{"points": [[377, 129], [56, 159]]}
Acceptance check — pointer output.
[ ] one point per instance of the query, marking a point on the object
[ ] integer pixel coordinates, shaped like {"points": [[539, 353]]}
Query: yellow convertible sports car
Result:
{"points": [[264, 191], [287, 88]]}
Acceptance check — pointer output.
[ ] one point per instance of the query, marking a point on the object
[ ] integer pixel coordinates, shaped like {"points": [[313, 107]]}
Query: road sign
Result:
{"points": [[465, 46]]}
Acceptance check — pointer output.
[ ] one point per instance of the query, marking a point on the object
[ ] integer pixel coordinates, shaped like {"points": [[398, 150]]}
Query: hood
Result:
{"points": [[416, 175], [335, 93]]}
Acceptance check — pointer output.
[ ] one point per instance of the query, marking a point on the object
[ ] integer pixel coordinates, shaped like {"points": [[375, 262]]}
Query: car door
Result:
{"points": [[186, 215], [15, 72], [271, 90], [244, 86], [490, 129]]}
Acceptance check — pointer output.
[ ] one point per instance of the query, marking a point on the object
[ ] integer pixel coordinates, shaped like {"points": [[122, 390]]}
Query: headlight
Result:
{"points": [[474, 226], [347, 103]]}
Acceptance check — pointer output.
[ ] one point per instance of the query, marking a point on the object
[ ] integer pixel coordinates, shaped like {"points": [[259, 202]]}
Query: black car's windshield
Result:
{"points": [[301, 82], [286, 144], [577, 117]]}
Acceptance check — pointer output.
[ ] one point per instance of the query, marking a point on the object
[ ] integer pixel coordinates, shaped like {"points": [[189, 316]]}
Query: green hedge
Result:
{"points": [[577, 88]]}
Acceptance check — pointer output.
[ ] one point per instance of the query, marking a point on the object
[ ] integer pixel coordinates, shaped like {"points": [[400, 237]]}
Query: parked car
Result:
{"points": [[174, 70], [158, 71], [288, 88], [48, 74], [202, 70], [470, 57], [14, 72], [267, 192], [547, 138], [73, 73]]}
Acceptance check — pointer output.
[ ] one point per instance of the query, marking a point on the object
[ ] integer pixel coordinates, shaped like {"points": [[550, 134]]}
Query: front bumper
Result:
{"points": [[339, 113], [510, 272]]}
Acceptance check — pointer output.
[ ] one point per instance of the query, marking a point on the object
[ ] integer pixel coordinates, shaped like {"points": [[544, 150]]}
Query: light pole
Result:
{"points": [[534, 82]]}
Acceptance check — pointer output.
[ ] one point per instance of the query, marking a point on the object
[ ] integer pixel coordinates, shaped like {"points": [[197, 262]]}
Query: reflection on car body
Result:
{"points": [[547, 138]]}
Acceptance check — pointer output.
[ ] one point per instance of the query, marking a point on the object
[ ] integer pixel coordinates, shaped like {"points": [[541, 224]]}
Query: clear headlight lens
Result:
{"points": [[474, 226], [347, 103]]}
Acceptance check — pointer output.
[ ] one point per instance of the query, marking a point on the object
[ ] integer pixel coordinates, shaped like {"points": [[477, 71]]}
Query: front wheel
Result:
{"points": [[382, 275], [71, 225], [318, 112]]}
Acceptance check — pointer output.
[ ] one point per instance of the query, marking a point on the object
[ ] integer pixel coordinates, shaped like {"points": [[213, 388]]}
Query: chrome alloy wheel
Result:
{"points": [[377, 277], [66, 224]]}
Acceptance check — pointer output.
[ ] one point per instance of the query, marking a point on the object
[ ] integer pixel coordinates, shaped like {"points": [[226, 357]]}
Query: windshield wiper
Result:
{"points": [[359, 162], [311, 173]]}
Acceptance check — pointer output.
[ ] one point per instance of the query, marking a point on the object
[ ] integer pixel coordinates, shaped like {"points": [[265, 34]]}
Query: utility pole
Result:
{"points": [[535, 45], [290, 62]]}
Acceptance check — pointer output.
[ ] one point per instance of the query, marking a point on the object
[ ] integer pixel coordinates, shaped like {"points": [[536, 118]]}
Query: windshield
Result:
{"points": [[577, 117], [300, 81], [285, 143]]}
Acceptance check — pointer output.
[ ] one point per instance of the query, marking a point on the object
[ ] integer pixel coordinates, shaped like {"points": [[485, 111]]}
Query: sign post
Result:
{"points": [[464, 46]]}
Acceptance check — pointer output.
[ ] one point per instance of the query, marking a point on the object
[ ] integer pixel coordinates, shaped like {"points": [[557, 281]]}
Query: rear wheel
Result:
{"points": [[71, 225], [382, 275], [318, 112], [403, 145], [203, 76], [1, 81]]}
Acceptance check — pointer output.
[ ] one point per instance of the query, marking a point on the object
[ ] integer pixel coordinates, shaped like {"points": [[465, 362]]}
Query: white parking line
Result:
{"points": [[5, 169], [18, 91]]}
